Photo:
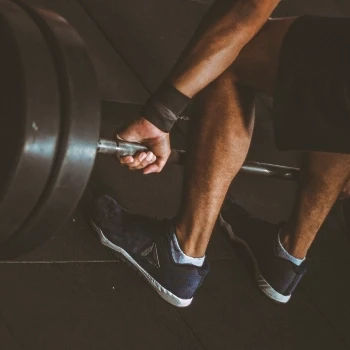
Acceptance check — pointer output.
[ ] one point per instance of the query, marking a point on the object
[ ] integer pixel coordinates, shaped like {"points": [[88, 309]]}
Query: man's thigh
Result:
{"points": [[257, 64]]}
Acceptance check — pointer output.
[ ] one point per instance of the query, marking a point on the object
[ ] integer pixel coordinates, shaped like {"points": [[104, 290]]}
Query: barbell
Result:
{"points": [[49, 137]]}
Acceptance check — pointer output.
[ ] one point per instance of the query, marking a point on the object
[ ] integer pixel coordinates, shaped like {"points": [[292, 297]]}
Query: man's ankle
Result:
{"points": [[188, 245], [291, 246], [179, 256]]}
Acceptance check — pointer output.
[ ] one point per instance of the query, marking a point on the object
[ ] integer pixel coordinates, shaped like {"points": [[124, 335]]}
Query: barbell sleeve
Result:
{"points": [[119, 148]]}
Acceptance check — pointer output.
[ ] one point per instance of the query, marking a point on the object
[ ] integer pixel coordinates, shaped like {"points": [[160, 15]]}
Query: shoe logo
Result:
{"points": [[151, 255]]}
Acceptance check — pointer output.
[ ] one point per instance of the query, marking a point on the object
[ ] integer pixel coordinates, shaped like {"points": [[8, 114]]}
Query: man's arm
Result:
{"points": [[224, 31]]}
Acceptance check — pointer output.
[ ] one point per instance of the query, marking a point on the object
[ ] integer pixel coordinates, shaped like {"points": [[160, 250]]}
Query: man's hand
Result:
{"points": [[154, 139]]}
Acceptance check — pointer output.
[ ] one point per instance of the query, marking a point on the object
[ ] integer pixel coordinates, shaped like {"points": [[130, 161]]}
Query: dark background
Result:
{"points": [[73, 294]]}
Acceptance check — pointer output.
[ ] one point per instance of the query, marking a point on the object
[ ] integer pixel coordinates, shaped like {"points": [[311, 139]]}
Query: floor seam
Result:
{"points": [[12, 333], [192, 331], [331, 325], [123, 58], [113, 46], [10, 262], [59, 262]]}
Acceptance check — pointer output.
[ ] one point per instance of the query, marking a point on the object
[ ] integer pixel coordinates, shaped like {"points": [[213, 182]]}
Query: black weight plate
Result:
{"points": [[29, 112], [80, 132]]}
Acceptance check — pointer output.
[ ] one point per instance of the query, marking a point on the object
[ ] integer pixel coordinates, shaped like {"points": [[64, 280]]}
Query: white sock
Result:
{"points": [[281, 252], [179, 256]]}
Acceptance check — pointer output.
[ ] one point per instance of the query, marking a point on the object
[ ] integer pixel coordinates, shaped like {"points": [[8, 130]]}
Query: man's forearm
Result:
{"points": [[226, 29]]}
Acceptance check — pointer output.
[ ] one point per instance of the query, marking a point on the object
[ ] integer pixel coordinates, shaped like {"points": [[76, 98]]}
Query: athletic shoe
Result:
{"points": [[276, 277], [144, 244]]}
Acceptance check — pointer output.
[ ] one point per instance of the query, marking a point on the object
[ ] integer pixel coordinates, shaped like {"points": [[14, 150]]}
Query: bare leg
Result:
{"points": [[228, 120], [219, 149], [324, 175], [222, 137]]}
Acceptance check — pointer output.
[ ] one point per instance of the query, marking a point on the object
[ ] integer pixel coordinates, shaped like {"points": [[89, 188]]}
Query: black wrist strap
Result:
{"points": [[165, 106]]}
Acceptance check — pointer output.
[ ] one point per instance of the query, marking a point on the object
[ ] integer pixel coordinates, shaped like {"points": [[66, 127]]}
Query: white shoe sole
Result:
{"points": [[125, 257], [259, 279]]}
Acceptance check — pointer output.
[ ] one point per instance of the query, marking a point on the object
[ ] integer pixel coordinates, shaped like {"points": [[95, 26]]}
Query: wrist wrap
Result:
{"points": [[165, 106]]}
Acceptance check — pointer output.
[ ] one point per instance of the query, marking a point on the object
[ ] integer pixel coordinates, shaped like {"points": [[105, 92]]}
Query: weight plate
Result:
{"points": [[29, 110], [80, 127]]}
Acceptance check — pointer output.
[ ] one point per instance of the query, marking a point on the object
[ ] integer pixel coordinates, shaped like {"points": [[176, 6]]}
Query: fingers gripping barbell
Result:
{"points": [[49, 137]]}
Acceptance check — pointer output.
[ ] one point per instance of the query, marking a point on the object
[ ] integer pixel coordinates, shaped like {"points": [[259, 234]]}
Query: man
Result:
{"points": [[237, 50]]}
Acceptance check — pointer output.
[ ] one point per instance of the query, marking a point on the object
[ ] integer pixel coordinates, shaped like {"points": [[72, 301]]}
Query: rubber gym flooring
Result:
{"points": [[73, 294]]}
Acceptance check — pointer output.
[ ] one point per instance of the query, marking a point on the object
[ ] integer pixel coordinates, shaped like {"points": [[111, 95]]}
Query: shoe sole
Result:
{"points": [[127, 258], [259, 279]]}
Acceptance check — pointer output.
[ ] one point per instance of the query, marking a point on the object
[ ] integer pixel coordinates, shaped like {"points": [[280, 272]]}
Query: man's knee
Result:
{"points": [[227, 79], [257, 64], [220, 90], [227, 98]]}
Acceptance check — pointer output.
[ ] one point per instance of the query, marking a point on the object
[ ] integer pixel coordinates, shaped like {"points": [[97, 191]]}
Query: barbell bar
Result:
{"points": [[49, 135], [122, 148]]}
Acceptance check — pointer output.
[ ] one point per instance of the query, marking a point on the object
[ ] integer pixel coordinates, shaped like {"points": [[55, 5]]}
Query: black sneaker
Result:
{"points": [[275, 276], [144, 243]]}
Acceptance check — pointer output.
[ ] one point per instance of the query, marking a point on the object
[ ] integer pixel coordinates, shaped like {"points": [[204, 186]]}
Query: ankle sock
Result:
{"points": [[282, 253], [179, 256]]}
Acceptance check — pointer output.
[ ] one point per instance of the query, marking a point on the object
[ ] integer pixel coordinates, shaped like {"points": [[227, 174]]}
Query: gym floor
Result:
{"points": [[72, 293]]}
